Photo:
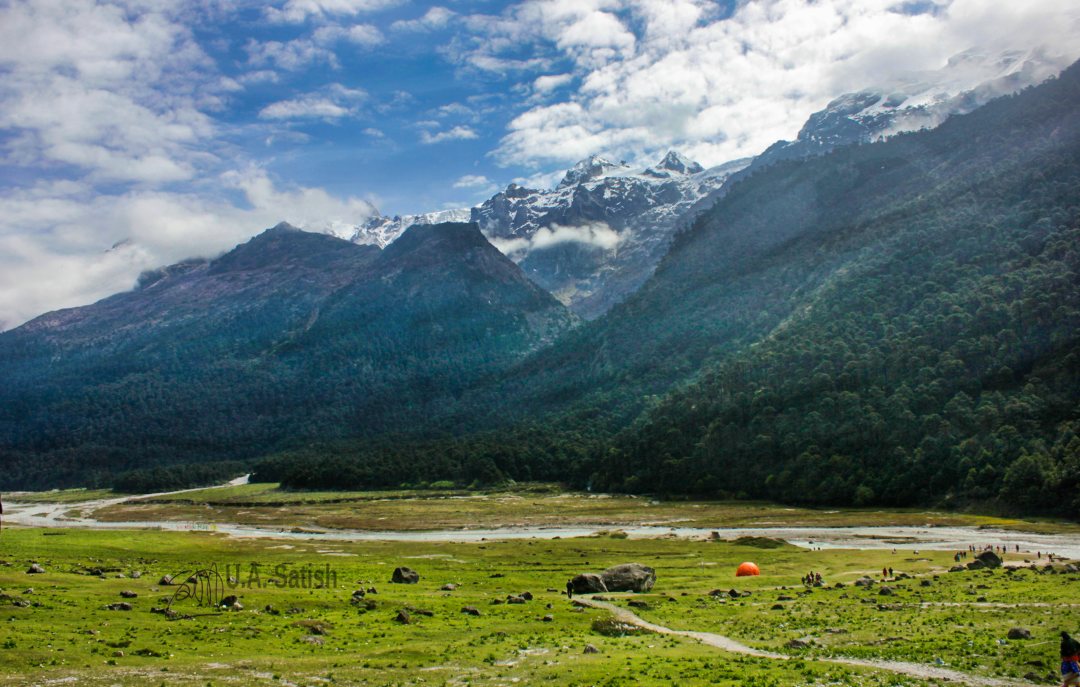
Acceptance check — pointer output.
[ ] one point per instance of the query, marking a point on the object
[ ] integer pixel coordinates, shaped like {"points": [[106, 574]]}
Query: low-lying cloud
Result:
{"points": [[597, 235]]}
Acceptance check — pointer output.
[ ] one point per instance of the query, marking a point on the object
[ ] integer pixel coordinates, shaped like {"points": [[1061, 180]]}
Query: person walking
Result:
{"points": [[1070, 660]]}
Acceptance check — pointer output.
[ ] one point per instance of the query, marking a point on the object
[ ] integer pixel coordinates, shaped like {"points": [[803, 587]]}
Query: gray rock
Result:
{"points": [[989, 559], [798, 644], [228, 600], [449, 587], [405, 575], [1019, 633], [886, 591], [403, 617], [470, 610], [548, 618], [128, 594], [588, 583], [590, 649], [35, 569], [864, 582], [165, 580], [976, 565], [629, 577], [122, 606]]}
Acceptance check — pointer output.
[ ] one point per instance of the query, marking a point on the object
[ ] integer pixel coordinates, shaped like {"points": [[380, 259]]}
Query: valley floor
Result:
{"points": [[56, 627]]}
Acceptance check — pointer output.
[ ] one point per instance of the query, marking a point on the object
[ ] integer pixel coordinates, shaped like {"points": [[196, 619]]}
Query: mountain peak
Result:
{"points": [[678, 164], [588, 169], [282, 243], [445, 239]]}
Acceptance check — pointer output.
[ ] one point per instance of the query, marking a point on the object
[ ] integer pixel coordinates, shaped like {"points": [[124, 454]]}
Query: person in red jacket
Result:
{"points": [[1070, 660]]}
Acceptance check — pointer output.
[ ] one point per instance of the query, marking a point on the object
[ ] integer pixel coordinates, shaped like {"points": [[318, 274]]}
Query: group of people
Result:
{"points": [[886, 573], [812, 579]]}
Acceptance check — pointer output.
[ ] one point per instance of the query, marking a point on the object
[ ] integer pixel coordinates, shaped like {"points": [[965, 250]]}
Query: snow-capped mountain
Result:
{"points": [[599, 234], [594, 238], [380, 231], [920, 100]]}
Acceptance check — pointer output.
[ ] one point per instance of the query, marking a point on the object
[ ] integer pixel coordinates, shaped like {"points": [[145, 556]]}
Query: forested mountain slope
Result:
{"points": [[922, 305], [288, 338]]}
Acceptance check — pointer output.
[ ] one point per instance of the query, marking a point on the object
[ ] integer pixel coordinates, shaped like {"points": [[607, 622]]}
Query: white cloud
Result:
{"points": [[298, 11], [333, 102], [660, 74], [551, 82], [304, 108], [597, 235], [458, 133], [114, 96], [55, 238], [434, 19], [472, 181]]}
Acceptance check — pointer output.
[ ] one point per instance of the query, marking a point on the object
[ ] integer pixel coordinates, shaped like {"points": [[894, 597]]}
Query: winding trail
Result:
{"points": [[917, 670]]}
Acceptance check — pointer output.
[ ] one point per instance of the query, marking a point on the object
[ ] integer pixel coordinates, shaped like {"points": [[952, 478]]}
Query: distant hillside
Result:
{"points": [[288, 338]]}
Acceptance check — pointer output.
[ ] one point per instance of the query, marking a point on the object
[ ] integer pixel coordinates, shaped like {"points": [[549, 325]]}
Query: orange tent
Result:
{"points": [[747, 569]]}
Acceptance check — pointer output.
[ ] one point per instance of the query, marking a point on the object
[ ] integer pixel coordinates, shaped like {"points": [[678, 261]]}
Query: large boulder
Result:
{"points": [[588, 583], [405, 575], [629, 577], [989, 559]]}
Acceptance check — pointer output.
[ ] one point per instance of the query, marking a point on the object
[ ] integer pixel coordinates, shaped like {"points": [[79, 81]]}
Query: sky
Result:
{"points": [[135, 133]]}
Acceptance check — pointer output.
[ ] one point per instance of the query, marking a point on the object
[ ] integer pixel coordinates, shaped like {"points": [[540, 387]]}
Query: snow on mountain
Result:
{"points": [[919, 100], [598, 235], [380, 231]]}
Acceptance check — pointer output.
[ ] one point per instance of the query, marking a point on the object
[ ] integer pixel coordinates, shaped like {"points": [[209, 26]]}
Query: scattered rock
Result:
{"points": [[128, 594], [629, 577], [235, 606], [165, 580], [420, 611], [588, 583], [449, 587], [989, 559], [590, 649], [313, 640], [635, 603], [548, 618], [405, 575], [135, 574], [976, 565], [924, 583], [35, 569], [957, 568], [122, 606], [403, 617], [229, 600], [864, 582], [514, 599], [470, 610], [784, 597], [798, 644], [1033, 677], [886, 591], [778, 607], [526, 595], [118, 654], [1019, 633]]}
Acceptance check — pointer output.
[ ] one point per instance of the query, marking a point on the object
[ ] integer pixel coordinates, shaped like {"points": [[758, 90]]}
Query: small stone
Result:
{"points": [[886, 591], [229, 600], [470, 610], [128, 594], [118, 654], [403, 617], [797, 644], [122, 606], [590, 649], [165, 580], [514, 600], [1019, 633], [526, 595], [449, 587], [548, 618], [35, 569]]}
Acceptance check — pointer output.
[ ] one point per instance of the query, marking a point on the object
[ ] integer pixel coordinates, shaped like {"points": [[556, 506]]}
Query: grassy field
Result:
{"points": [[528, 505], [307, 635]]}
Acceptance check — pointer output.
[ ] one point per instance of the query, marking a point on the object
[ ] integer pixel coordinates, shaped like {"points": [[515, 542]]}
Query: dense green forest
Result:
{"points": [[894, 323]]}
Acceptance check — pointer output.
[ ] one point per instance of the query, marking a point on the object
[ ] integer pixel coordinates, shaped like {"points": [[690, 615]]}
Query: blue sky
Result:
{"points": [[135, 133]]}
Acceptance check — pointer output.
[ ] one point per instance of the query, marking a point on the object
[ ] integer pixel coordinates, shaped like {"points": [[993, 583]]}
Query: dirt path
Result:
{"points": [[917, 670]]}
